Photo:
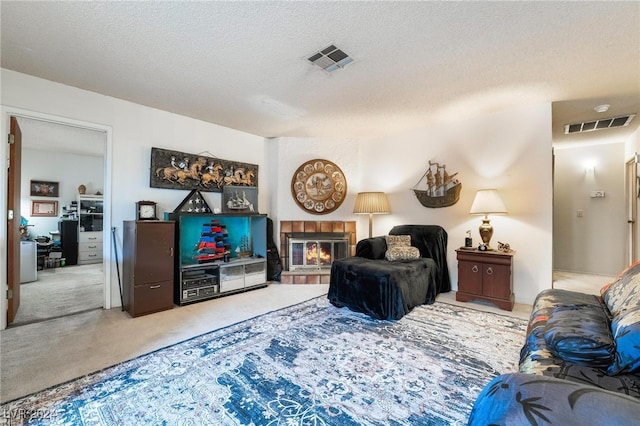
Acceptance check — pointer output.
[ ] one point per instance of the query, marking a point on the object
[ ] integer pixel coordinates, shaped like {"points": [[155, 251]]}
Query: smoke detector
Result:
{"points": [[601, 124], [330, 58]]}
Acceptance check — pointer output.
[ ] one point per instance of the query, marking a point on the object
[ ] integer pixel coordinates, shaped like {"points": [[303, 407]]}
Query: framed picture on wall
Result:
{"points": [[44, 208], [40, 188], [239, 199]]}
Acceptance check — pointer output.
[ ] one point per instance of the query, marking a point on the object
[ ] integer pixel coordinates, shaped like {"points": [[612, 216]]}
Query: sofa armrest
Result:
{"points": [[372, 248], [524, 399]]}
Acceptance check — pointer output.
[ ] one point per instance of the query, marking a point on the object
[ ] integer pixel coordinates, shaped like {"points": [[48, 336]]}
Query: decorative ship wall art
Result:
{"points": [[436, 188]]}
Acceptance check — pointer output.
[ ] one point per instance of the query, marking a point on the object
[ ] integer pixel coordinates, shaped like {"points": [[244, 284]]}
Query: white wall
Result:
{"points": [[134, 130], [290, 153], [69, 170], [514, 157], [579, 242]]}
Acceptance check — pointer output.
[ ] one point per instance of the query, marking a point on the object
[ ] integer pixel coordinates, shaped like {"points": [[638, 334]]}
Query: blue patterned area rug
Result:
{"points": [[308, 364]]}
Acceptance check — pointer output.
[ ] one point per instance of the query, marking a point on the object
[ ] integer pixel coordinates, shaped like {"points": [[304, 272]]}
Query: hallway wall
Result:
{"points": [[585, 227]]}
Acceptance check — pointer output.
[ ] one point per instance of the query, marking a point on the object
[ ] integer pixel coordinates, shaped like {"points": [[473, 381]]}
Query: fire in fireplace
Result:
{"points": [[316, 251]]}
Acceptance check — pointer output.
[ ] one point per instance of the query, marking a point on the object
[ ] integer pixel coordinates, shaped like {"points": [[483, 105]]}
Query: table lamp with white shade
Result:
{"points": [[487, 202]]}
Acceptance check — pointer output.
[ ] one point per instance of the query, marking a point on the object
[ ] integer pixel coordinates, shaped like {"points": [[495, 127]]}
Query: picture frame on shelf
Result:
{"points": [[41, 188], [239, 199], [44, 208]]}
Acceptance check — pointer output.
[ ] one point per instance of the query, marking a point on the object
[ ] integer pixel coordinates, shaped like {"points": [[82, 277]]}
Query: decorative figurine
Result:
{"points": [[504, 247], [468, 242]]}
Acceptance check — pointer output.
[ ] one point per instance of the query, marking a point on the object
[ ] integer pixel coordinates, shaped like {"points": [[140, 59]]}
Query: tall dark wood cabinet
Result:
{"points": [[69, 240], [148, 266]]}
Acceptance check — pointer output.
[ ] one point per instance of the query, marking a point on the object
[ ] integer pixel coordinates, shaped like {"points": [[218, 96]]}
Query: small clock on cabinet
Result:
{"points": [[146, 210]]}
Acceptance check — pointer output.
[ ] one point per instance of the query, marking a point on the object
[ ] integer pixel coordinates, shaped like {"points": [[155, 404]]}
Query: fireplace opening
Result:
{"points": [[315, 251]]}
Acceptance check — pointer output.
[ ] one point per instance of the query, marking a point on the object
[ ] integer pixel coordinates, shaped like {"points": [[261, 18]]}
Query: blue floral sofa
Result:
{"points": [[580, 363]]}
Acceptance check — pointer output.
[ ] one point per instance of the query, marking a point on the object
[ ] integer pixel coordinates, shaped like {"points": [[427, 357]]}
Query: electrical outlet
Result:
{"points": [[579, 213], [597, 194]]}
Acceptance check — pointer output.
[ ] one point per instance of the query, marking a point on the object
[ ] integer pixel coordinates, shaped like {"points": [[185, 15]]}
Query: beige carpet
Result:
{"points": [[42, 354], [59, 292], [585, 283]]}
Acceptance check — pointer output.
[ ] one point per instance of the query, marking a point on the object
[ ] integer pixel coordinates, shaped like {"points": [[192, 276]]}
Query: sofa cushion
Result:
{"points": [[402, 253], [580, 334], [626, 332], [624, 291], [521, 399]]}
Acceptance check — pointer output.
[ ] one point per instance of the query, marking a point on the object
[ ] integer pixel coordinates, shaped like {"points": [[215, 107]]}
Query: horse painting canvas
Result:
{"points": [[179, 170]]}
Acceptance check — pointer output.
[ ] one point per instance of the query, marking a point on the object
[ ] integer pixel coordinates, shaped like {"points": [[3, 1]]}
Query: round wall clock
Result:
{"points": [[319, 186]]}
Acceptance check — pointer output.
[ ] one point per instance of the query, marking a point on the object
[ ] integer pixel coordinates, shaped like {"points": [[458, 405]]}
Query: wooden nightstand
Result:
{"points": [[485, 275]]}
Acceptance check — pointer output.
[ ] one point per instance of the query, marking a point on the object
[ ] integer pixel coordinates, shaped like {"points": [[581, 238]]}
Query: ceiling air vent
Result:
{"points": [[330, 58], [605, 123]]}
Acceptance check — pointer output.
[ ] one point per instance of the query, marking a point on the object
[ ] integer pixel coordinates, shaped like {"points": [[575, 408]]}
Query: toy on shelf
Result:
{"points": [[214, 242], [244, 249]]}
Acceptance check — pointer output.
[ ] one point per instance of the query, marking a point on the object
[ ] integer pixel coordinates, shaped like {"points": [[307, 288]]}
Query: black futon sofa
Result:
{"points": [[388, 290]]}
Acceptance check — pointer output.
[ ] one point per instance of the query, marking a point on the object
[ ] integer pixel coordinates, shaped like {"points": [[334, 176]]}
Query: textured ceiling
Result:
{"points": [[242, 64]]}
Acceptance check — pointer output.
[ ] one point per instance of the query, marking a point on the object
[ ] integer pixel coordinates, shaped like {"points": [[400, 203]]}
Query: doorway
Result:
{"points": [[589, 217], [61, 151]]}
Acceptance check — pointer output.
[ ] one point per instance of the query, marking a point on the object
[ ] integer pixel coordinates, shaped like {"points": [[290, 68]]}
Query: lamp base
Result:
{"points": [[486, 232]]}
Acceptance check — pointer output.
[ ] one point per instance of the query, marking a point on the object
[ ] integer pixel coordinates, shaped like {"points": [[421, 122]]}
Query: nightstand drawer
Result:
{"points": [[91, 256], [90, 248], [94, 247], [90, 237]]}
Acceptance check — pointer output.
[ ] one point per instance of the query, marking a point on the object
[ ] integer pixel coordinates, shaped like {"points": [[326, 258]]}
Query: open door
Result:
{"points": [[13, 221]]}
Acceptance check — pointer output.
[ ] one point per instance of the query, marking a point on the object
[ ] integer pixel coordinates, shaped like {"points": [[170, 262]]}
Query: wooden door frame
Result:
{"points": [[107, 247], [631, 201], [14, 249]]}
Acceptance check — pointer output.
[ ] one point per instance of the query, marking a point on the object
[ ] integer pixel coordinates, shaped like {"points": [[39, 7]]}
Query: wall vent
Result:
{"points": [[604, 123], [330, 59]]}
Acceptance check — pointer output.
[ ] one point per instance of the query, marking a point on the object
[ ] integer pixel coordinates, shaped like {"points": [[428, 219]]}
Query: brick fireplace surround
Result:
{"points": [[297, 226]]}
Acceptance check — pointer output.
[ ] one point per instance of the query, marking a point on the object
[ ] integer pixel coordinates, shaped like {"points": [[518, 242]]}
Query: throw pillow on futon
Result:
{"points": [[580, 334], [626, 332], [624, 291], [399, 248], [397, 240]]}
